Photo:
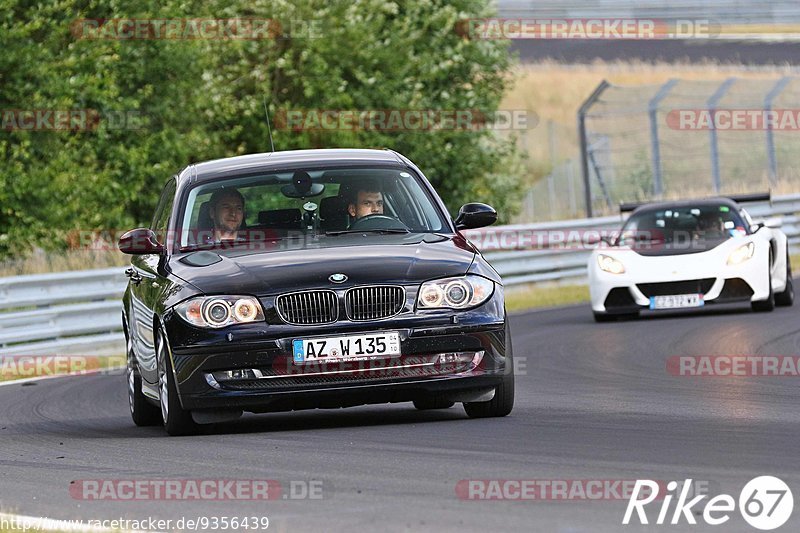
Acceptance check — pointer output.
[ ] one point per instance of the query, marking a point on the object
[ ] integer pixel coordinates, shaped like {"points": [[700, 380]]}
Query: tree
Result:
{"points": [[162, 104]]}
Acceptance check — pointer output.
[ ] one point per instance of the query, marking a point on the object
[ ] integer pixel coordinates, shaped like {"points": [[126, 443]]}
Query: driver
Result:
{"points": [[710, 226], [367, 199]]}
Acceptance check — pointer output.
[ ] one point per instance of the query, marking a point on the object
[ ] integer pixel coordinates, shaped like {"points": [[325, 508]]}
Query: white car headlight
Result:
{"points": [[609, 264], [220, 311], [742, 254], [455, 293]]}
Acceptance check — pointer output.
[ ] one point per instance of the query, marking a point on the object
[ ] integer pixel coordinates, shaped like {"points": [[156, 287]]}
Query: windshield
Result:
{"points": [[685, 224], [302, 203]]}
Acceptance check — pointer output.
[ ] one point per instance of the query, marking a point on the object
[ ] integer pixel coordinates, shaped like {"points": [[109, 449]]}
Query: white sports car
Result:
{"points": [[686, 254]]}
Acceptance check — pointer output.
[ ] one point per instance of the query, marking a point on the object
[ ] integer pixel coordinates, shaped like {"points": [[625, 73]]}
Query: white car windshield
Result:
{"points": [[710, 222]]}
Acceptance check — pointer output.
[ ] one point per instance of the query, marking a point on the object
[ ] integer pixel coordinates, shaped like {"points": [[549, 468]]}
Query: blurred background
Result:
{"points": [[156, 102]]}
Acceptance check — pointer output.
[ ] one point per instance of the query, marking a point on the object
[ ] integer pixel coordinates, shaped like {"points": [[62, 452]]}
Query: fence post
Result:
{"points": [[587, 187], [655, 145], [773, 158], [712, 106]]}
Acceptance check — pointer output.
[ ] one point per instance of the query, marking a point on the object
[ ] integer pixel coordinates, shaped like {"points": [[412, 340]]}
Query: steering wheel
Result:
{"points": [[377, 222]]}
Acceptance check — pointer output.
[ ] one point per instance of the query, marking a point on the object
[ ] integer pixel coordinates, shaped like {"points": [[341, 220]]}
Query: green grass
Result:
{"points": [[534, 296]]}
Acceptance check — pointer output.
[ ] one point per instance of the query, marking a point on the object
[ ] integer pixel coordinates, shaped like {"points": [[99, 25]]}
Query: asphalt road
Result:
{"points": [[577, 51], [594, 402]]}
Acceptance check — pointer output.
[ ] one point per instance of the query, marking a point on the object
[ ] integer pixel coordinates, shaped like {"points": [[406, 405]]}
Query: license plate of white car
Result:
{"points": [[346, 347], [676, 301]]}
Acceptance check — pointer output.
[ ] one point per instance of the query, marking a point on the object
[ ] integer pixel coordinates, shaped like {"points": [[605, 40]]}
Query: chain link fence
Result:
{"points": [[680, 139], [685, 139]]}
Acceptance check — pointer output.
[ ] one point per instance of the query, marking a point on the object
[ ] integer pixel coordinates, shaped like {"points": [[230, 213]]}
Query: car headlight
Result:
{"points": [[455, 293], [742, 253], [609, 264], [220, 311]]}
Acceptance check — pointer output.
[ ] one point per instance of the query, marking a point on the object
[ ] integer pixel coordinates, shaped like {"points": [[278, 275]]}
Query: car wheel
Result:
{"points": [[177, 420], [500, 405], [786, 297], [143, 412], [765, 306], [503, 401], [435, 403], [602, 317]]}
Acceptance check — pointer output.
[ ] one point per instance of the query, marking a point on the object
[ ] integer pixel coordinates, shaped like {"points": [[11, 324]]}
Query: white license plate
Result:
{"points": [[347, 347], [676, 301]]}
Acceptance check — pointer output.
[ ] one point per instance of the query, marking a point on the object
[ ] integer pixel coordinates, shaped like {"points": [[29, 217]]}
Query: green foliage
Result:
{"points": [[203, 99]]}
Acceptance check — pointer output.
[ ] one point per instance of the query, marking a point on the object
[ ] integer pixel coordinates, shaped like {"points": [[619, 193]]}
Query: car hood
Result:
{"points": [[660, 249], [364, 259]]}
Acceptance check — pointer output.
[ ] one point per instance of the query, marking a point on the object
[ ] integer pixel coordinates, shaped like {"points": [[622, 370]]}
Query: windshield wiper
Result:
{"points": [[385, 231]]}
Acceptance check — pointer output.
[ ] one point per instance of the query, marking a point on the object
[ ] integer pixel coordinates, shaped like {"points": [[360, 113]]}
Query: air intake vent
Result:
{"points": [[308, 307], [370, 303]]}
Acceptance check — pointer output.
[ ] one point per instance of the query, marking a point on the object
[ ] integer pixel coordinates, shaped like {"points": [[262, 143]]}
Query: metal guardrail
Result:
{"points": [[79, 312], [63, 313]]}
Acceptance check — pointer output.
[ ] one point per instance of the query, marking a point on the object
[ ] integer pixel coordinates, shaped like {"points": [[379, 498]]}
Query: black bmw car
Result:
{"points": [[310, 279]]}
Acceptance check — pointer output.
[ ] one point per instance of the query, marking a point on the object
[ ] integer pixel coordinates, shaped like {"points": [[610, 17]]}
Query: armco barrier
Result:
{"points": [[79, 312]]}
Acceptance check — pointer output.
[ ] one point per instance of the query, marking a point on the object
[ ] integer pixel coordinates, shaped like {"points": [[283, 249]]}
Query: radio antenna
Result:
{"points": [[269, 128]]}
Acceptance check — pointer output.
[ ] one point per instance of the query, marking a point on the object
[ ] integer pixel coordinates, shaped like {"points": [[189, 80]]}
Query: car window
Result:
{"points": [[301, 202], [671, 224], [164, 210]]}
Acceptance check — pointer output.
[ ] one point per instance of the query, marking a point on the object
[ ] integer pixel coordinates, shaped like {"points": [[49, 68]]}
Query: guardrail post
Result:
{"points": [[768, 101], [587, 186], [712, 106], [655, 145]]}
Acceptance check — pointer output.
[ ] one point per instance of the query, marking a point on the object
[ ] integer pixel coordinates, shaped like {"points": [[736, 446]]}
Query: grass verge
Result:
{"points": [[534, 296]]}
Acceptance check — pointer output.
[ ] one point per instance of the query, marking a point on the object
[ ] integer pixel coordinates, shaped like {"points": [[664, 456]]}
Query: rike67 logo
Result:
{"points": [[765, 503]]}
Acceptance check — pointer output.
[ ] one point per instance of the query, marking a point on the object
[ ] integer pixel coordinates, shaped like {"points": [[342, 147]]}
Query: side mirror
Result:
{"points": [[140, 241], [757, 226], [475, 215]]}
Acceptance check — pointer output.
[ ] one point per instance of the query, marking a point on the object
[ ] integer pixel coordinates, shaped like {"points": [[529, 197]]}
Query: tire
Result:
{"points": [[606, 317], [143, 412], [427, 404], [785, 298], [503, 401], [765, 306], [177, 420], [602, 317]]}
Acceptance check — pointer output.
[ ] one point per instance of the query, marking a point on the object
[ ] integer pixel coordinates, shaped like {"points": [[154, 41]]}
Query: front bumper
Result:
{"points": [[453, 355], [702, 273]]}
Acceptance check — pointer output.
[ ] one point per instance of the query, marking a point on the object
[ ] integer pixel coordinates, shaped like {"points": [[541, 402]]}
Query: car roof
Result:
{"points": [[274, 161], [687, 203]]}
